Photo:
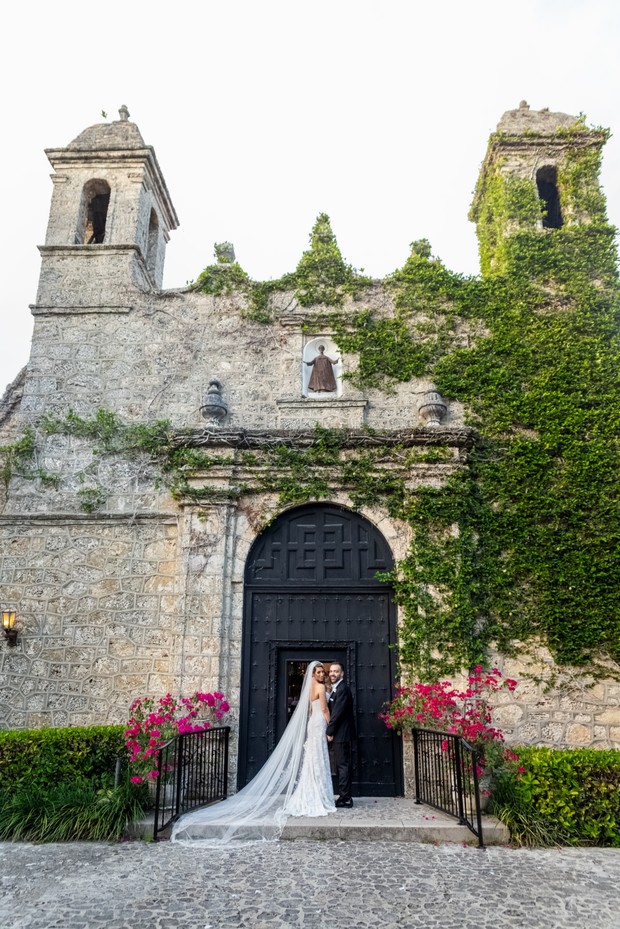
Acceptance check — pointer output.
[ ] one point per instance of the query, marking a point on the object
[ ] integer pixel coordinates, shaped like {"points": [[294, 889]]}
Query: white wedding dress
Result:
{"points": [[294, 781], [314, 794]]}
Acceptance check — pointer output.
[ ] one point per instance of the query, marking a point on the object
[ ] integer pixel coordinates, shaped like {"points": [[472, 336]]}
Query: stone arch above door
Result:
{"points": [[311, 586]]}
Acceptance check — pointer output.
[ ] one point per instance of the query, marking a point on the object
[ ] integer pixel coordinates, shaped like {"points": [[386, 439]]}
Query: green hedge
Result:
{"points": [[44, 758], [55, 785], [569, 797]]}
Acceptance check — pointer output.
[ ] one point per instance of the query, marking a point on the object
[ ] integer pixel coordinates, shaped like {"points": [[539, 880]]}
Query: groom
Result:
{"points": [[341, 731]]}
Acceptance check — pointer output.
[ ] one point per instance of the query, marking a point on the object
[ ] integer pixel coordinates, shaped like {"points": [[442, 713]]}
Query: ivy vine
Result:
{"points": [[19, 458], [321, 277]]}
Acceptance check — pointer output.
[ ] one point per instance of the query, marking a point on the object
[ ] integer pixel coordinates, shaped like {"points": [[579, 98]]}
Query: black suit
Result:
{"points": [[341, 726]]}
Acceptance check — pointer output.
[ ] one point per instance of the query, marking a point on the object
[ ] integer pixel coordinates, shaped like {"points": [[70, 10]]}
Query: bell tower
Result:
{"points": [[540, 177], [110, 218]]}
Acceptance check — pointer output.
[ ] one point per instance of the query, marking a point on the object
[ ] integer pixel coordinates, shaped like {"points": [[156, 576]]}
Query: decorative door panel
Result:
{"points": [[326, 546]]}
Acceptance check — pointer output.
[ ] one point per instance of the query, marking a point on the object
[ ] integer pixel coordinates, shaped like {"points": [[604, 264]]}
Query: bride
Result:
{"points": [[294, 781]]}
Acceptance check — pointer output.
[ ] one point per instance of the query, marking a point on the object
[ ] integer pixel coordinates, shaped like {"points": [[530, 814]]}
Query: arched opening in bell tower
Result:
{"points": [[93, 213], [547, 184]]}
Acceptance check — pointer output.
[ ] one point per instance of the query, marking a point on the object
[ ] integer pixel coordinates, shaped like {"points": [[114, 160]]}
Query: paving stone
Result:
{"points": [[306, 885]]}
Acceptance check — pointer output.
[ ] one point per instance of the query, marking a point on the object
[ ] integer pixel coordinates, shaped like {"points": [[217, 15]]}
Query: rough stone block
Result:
{"points": [[509, 715], [577, 734], [610, 717]]}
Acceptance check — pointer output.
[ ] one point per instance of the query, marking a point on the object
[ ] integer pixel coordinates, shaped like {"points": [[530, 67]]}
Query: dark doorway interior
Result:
{"points": [[291, 668], [547, 184]]}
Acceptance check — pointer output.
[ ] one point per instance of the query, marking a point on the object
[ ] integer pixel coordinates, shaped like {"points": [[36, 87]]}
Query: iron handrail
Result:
{"points": [[192, 771], [446, 776]]}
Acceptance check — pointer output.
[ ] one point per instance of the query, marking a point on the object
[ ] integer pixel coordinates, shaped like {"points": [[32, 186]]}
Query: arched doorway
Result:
{"points": [[311, 592]]}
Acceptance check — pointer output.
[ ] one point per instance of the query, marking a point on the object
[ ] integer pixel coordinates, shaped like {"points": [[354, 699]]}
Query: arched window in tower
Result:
{"points": [[151, 248], [93, 213], [547, 183]]}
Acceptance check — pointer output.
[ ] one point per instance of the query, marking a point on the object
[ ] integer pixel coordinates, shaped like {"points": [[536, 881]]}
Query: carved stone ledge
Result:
{"points": [[70, 519], [41, 310], [462, 437]]}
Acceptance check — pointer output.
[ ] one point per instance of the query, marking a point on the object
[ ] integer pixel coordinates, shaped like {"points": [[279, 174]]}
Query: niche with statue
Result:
{"points": [[321, 369]]}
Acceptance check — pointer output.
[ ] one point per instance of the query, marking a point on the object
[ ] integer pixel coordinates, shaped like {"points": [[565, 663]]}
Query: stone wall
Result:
{"points": [[114, 606], [554, 706], [153, 357], [98, 615], [561, 707], [145, 594]]}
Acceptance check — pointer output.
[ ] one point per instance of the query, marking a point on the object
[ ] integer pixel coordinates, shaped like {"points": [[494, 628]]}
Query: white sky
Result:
{"points": [[264, 113]]}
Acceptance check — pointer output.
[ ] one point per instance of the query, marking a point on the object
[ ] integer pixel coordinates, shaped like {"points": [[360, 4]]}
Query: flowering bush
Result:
{"points": [[152, 723], [466, 713]]}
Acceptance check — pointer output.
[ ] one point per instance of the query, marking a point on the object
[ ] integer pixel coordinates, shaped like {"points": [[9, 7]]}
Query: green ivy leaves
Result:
{"points": [[322, 277]]}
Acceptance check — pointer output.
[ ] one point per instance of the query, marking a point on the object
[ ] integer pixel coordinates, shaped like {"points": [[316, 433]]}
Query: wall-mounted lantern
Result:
{"points": [[8, 624]]}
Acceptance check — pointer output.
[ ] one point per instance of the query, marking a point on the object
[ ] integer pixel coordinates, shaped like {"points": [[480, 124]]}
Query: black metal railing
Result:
{"points": [[446, 777], [192, 772]]}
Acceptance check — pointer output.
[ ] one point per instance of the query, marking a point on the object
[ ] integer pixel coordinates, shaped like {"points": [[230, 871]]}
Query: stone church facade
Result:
{"points": [[123, 587]]}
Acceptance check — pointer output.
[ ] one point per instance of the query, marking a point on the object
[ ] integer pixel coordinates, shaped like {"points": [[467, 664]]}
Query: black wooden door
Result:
{"points": [[312, 593]]}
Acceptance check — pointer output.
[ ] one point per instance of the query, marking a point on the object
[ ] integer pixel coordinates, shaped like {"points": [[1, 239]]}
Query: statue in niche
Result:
{"points": [[322, 379]]}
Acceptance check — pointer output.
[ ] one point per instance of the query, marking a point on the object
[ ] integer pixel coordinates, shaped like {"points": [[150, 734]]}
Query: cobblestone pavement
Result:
{"points": [[308, 885]]}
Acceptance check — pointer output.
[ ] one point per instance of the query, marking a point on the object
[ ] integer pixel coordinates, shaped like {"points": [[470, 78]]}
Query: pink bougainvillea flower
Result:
{"points": [[153, 722], [466, 713]]}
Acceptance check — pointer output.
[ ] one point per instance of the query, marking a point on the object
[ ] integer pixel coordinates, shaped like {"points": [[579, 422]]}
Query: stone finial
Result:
{"points": [[224, 252], [123, 113], [524, 105], [432, 408], [214, 408]]}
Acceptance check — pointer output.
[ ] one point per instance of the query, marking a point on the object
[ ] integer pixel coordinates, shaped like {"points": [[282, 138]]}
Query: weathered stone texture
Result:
{"points": [[153, 359], [557, 706], [90, 640]]}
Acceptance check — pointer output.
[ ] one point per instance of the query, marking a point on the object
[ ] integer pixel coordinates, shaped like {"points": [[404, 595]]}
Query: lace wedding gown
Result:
{"points": [[314, 794], [294, 781]]}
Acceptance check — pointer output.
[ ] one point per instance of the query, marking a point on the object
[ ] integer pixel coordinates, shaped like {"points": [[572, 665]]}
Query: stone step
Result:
{"points": [[377, 819]]}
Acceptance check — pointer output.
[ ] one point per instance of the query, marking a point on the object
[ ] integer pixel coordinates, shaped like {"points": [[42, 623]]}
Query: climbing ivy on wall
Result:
{"points": [[16, 458], [524, 542], [19, 458], [538, 547], [322, 277]]}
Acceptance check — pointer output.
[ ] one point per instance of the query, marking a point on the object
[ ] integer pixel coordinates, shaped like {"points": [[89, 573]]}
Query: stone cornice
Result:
{"points": [[91, 250], [305, 403], [459, 437], [43, 310], [69, 519], [551, 140]]}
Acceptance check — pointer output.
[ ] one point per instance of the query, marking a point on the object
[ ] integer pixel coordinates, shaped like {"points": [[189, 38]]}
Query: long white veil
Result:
{"points": [[258, 811]]}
